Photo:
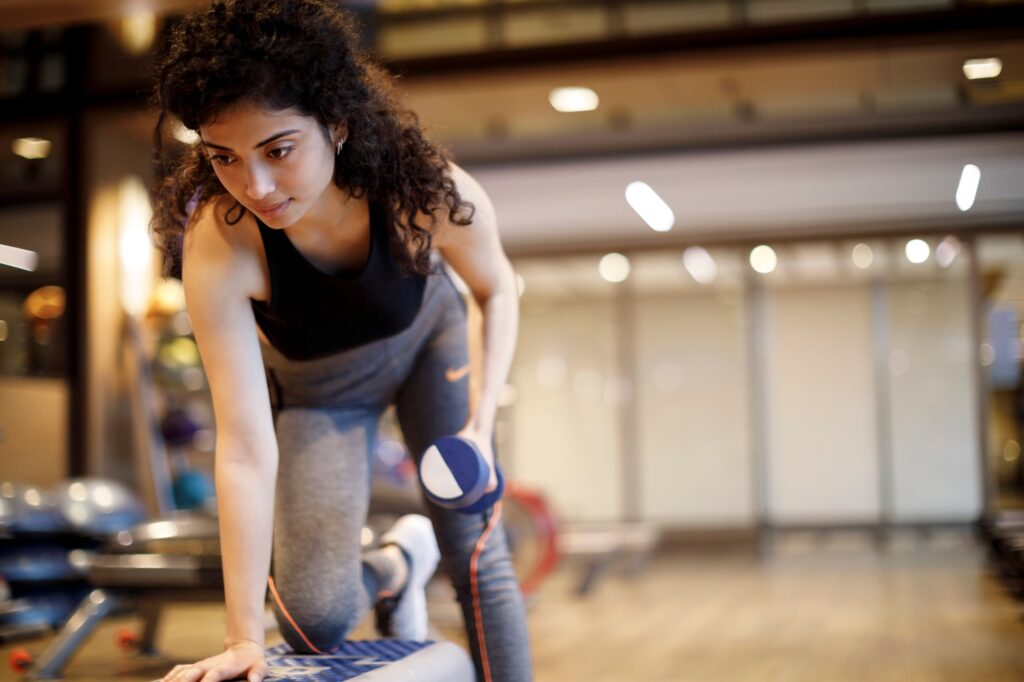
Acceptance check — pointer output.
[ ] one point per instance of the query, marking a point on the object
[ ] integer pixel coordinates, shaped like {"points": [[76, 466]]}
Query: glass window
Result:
{"points": [[692, 411], [570, 388]]}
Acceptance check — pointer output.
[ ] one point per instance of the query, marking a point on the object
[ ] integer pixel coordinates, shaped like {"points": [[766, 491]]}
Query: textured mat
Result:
{"points": [[373, 661]]}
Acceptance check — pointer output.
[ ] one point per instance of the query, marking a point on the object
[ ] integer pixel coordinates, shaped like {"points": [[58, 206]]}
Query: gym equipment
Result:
{"points": [[28, 509], [39, 611], [178, 559], [141, 568], [34, 560], [179, 428], [532, 537], [601, 546], [375, 661], [454, 475], [384, 660], [42, 530], [192, 489], [1005, 534], [96, 507]]}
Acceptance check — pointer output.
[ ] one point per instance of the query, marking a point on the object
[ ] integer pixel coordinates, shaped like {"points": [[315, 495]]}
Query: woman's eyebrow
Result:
{"points": [[258, 144]]}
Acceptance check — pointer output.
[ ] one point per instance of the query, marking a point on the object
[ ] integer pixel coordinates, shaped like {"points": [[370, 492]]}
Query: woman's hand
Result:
{"points": [[483, 443], [244, 658]]}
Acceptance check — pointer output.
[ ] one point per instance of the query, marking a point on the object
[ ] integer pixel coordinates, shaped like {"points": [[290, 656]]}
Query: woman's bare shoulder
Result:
{"points": [[222, 249]]}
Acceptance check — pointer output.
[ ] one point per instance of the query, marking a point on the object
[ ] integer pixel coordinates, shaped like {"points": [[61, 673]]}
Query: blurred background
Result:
{"points": [[764, 418]]}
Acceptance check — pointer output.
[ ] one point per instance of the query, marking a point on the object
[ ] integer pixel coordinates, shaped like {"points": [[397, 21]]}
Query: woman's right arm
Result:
{"points": [[220, 275]]}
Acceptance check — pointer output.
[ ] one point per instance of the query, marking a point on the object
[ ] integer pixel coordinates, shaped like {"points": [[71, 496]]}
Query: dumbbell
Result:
{"points": [[454, 475]]}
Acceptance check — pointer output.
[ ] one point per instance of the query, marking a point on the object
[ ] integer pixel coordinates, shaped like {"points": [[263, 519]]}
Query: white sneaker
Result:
{"points": [[404, 616]]}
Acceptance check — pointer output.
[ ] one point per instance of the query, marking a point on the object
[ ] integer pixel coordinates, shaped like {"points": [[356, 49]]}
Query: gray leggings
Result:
{"points": [[326, 414]]}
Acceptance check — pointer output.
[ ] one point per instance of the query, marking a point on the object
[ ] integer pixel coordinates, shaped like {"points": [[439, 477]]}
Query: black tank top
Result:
{"points": [[312, 313]]}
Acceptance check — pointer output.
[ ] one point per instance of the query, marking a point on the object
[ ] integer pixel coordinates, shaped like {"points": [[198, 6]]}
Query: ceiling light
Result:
{"points": [[32, 147], [649, 206], [863, 256], [946, 252], [917, 251], [614, 268], [763, 259], [968, 188], [138, 31], [699, 263], [978, 69], [573, 99]]}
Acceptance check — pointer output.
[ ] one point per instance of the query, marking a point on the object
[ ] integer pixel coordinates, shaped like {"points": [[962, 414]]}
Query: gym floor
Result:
{"points": [[823, 607]]}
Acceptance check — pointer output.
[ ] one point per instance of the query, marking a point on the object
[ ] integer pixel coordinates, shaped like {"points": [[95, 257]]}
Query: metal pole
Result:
{"points": [[883, 403], [756, 344]]}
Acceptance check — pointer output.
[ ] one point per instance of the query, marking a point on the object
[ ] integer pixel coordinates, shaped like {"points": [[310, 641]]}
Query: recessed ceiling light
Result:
{"points": [[614, 268], [917, 251], [977, 69], [863, 256], [763, 259], [573, 99]]}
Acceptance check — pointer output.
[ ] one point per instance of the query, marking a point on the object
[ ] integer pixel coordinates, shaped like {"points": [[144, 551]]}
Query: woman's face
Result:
{"points": [[275, 163]]}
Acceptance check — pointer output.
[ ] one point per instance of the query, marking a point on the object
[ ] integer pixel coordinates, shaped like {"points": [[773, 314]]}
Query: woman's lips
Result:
{"points": [[275, 209]]}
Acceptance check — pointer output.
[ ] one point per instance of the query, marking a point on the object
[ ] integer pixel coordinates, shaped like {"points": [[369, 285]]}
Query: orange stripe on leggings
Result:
{"points": [[476, 590], [280, 605]]}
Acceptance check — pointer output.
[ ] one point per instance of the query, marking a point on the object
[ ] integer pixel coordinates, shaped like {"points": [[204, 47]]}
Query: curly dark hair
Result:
{"points": [[301, 54]]}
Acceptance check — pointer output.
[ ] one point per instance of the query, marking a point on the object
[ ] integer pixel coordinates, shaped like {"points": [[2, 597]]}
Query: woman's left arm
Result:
{"points": [[475, 253]]}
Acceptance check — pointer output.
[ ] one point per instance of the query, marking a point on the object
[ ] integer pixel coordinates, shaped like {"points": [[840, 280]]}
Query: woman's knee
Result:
{"points": [[319, 625]]}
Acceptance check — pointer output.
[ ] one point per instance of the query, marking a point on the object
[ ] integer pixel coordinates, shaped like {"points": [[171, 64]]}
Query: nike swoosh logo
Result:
{"points": [[453, 375]]}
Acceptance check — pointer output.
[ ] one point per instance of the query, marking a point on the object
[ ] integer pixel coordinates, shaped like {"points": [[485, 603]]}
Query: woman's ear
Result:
{"points": [[340, 133]]}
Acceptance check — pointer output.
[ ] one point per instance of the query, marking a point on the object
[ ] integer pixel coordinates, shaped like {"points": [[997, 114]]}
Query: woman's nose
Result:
{"points": [[259, 183]]}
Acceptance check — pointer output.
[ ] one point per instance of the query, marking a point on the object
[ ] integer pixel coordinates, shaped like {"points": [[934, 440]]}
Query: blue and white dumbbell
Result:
{"points": [[454, 475]]}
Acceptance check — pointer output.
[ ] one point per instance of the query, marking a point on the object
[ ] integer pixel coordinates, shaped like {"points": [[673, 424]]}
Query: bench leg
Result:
{"points": [[94, 608]]}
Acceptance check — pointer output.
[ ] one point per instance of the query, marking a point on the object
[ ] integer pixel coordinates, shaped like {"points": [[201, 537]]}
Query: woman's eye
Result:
{"points": [[221, 159], [279, 152]]}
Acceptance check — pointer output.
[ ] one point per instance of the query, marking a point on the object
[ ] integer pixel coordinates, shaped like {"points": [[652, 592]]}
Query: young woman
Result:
{"points": [[308, 221]]}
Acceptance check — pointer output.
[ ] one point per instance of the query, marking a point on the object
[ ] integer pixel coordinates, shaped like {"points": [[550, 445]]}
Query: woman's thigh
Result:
{"points": [[320, 509]]}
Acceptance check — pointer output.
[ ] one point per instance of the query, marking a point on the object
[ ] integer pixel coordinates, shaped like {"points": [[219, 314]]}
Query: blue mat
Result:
{"points": [[352, 660]]}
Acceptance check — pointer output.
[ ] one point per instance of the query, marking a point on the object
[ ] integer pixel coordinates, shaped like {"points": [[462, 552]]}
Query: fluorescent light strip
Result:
{"points": [[970, 177], [23, 259], [649, 206]]}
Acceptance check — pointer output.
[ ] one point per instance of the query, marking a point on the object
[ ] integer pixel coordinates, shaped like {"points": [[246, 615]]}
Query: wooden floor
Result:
{"points": [[821, 609]]}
